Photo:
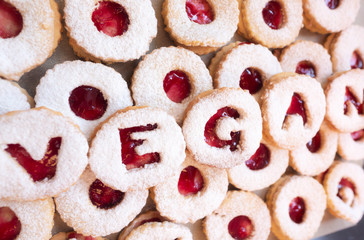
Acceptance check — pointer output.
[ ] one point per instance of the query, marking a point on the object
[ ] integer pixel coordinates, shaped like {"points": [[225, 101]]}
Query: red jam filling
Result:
{"points": [[11, 21], [38, 170], [177, 86], [210, 136], [358, 135], [111, 18], [128, 155], [199, 11], [272, 15], [190, 181], [240, 227], [10, 226], [345, 183], [78, 236], [350, 98], [306, 68], [332, 4], [297, 209], [251, 80], [356, 61], [103, 196], [315, 143], [297, 107], [87, 102], [260, 159]]}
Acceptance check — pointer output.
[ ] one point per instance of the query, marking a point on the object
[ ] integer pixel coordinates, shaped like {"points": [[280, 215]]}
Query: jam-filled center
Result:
{"points": [[297, 210], [332, 4], [74, 235], [315, 143], [111, 18], [346, 191], [306, 68], [87, 102], [11, 21], [10, 226], [103, 196], [199, 11], [351, 99], [251, 80], [190, 181], [240, 227], [273, 15], [297, 107], [260, 159], [38, 170], [177, 86], [358, 135], [356, 61], [210, 135], [128, 154]]}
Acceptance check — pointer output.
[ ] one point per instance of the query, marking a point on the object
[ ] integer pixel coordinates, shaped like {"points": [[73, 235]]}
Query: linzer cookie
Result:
{"points": [[13, 97], [262, 169], [297, 205], [330, 15], [351, 145], [29, 34], [345, 191], [223, 127], [194, 192], [344, 97], [110, 31], [242, 215], [169, 78], [274, 24], [91, 207], [26, 220], [200, 25], [86, 92], [74, 235], [42, 152], [137, 148], [293, 108]]}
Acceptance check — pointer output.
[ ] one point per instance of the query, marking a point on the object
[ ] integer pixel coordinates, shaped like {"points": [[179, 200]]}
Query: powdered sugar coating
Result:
{"points": [[163, 231], [36, 218], [77, 210], [56, 86], [33, 129], [129, 46], [13, 97], [349, 149], [167, 140], [204, 107], [238, 203], [35, 43], [147, 82]]}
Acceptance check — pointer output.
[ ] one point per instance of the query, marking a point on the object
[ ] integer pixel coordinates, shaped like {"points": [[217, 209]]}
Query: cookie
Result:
{"points": [[351, 145], [13, 97], [73, 235]]}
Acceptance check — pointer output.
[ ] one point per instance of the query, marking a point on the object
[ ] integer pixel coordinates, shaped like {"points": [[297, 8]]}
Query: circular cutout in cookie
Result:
{"points": [[273, 14], [190, 181], [240, 227], [199, 11], [10, 226], [11, 21], [297, 209], [103, 196], [315, 143], [251, 79], [332, 4], [307, 68], [356, 61], [260, 159], [177, 86], [358, 135]]}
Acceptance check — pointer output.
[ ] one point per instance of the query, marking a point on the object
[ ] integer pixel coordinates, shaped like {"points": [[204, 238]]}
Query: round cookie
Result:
{"points": [[293, 108], [86, 92], [110, 31], [242, 215], [137, 148], [222, 127], [13, 97], [73, 235], [169, 78], [351, 145], [42, 152], [29, 34]]}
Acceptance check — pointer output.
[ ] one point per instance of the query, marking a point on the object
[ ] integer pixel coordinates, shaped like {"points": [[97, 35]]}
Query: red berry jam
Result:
{"points": [[190, 181], [210, 136], [260, 159], [111, 18], [315, 143], [11, 21], [103, 196], [78, 236], [128, 155], [177, 86], [345, 183], [199, 11], [240, 227], [251, 80], [297, 210], [38, 170], [10, 225], [332, 4], [358, 135], [272, 15], [350, 98], [87, 102], [306, 68], [356, 61], [297, 107]]}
